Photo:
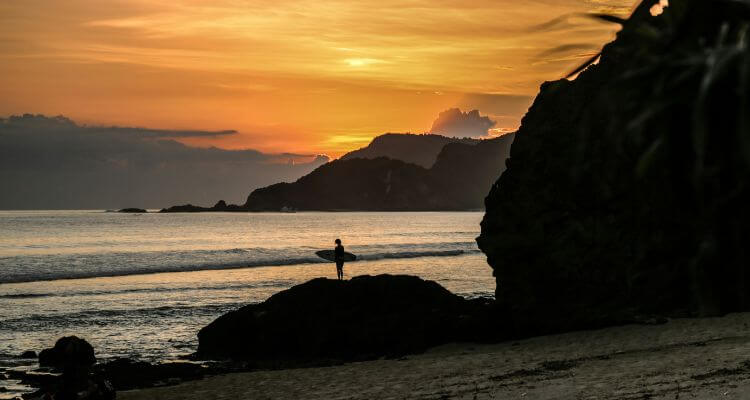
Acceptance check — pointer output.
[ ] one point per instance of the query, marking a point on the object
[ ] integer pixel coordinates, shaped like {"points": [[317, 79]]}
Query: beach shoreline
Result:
{"points": [[683, 358]]}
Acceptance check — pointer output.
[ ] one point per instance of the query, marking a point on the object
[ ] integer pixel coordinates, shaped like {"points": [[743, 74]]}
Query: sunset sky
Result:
{"points": [[303, 76]]}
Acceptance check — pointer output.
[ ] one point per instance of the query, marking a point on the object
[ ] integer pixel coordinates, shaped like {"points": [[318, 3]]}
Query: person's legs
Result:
{"points": [[340, 270]]}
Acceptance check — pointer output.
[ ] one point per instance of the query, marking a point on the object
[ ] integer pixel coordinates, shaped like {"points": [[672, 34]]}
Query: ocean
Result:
{"points": [[142, 285]]}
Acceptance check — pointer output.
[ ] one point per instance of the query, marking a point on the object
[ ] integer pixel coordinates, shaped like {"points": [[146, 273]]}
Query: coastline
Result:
{"points": [[683, 358]]}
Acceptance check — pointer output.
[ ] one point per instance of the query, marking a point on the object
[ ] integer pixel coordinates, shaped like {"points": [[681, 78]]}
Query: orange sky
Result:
{"points": [[305, 76]]}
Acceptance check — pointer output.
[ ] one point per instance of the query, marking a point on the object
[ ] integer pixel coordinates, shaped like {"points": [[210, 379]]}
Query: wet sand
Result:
{"points": [[707, 358]]}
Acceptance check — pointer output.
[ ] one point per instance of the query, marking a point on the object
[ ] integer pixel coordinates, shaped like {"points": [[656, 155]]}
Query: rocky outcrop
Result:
{"points": [[132, 210], [127, 374], [459, 180], [422, 150], [220, 206], [325, 321], [626, 190]]}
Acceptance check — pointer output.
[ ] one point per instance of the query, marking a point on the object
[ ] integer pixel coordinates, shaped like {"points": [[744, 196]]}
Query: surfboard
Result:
{"points": [[330, 255]]}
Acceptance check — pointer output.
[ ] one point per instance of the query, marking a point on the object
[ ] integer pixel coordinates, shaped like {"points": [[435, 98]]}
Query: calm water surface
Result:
{"points": [[145, 284]]}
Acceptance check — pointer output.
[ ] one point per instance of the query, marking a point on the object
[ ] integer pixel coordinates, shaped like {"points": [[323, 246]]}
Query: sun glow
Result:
{"points": [[658, 8], [289, 75], [360, 62]]}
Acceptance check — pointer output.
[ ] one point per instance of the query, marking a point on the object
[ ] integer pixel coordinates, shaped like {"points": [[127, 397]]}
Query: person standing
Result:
{"points": [[339, 258]]}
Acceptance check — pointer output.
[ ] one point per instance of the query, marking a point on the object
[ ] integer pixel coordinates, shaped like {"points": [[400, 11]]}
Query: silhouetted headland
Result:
{"points": [[458, 180], [422, 150]]}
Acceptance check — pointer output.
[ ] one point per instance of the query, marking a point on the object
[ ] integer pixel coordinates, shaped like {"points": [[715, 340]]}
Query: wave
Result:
{"points": [[21, 269], [223, 287], [115, 316]]}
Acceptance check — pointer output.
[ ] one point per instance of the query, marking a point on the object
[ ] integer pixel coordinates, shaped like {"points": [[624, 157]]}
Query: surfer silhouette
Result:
{"points": [[339, 258]]}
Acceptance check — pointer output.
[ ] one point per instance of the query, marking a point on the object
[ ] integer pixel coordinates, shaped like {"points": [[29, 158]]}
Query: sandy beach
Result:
{"points": [[703, 358]]}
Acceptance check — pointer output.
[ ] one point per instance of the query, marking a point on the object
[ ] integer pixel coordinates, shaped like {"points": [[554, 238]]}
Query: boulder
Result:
{"points": [[74, 357], [28, 354], [68, 351], [325, 320], [626, 189]]}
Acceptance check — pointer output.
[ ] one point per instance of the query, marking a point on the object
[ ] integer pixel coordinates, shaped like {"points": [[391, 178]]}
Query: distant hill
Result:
{"points": [[416, 149], [459, 180]]}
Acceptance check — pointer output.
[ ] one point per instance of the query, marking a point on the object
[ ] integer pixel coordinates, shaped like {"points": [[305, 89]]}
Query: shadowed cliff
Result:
{"points": [[626, 189]]}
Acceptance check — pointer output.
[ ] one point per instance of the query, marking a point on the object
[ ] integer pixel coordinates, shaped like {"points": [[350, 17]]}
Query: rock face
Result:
{"points": [[458, 180], [415, 149], [626, 190], [328, 320]]}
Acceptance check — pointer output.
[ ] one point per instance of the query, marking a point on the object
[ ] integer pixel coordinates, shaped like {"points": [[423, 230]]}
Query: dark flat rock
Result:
{"points": [[327, 321]]}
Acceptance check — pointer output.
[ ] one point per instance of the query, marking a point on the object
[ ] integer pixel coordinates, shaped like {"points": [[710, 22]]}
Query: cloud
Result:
{"points": [[54, 163], [453, 122], [568, 49]]}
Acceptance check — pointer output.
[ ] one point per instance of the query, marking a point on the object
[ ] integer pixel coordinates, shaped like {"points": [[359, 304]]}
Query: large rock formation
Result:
{"points": [[627, 189], [327, 321], [416, 149], [458, 180]]}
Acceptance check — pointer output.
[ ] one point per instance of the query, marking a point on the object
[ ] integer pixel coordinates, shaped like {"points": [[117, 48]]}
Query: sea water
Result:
{"points": [[142, 285]]}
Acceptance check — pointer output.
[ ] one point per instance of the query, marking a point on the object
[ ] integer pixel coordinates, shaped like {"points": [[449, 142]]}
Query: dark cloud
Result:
{"points": [[567, 49], [560, 23], [453, 122], [164, 133], [52, 162]]}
